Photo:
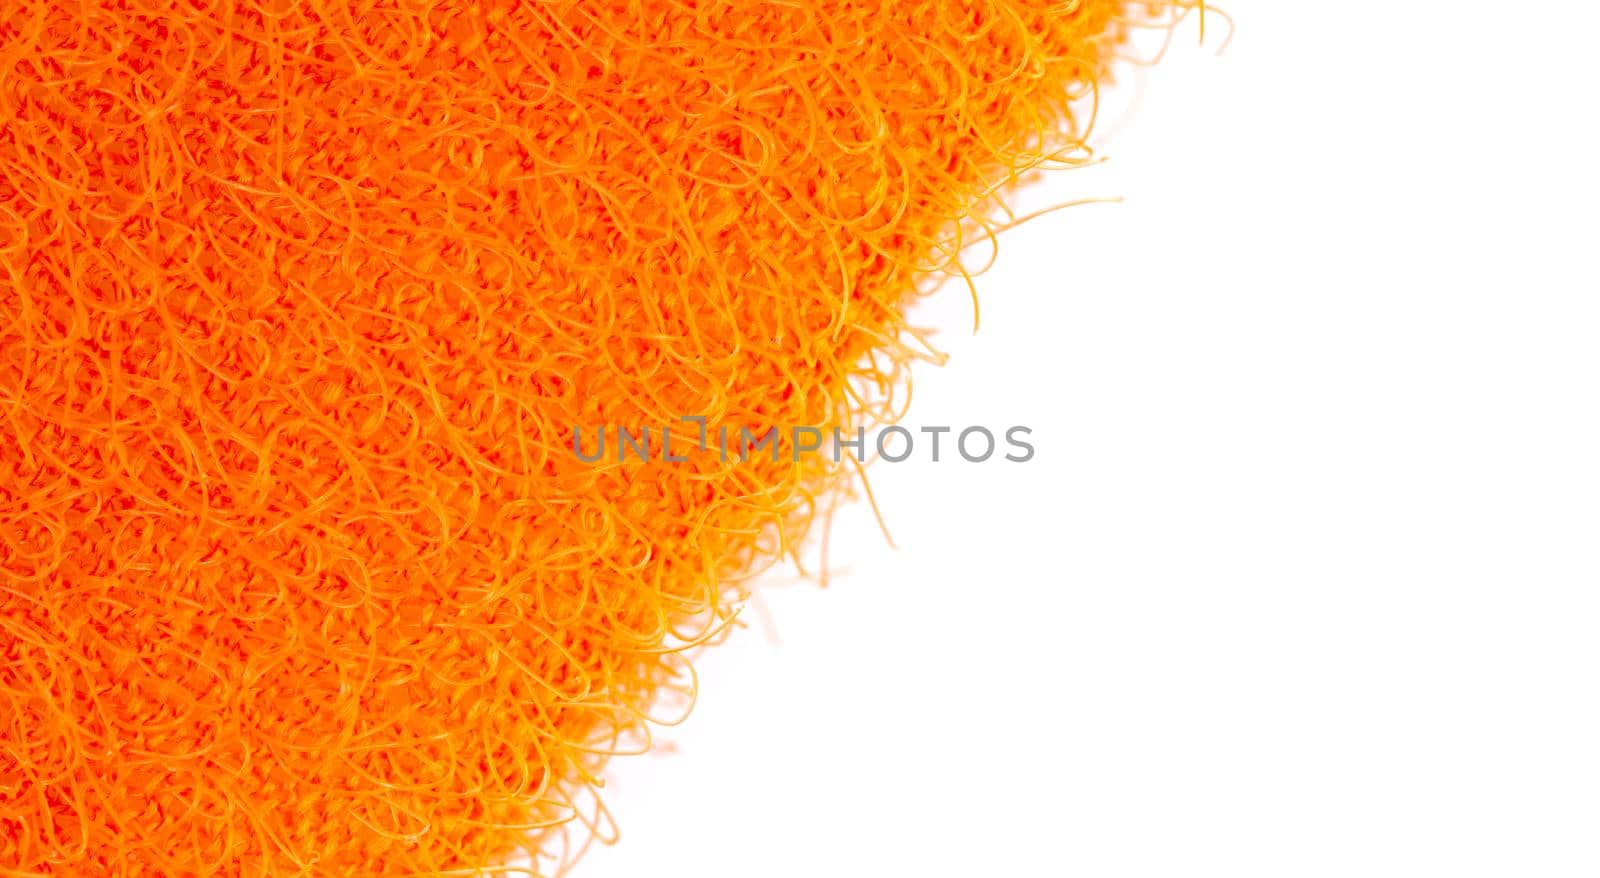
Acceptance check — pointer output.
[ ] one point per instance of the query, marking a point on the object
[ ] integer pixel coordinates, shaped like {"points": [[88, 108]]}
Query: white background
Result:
{"points": [[1305, 578]]}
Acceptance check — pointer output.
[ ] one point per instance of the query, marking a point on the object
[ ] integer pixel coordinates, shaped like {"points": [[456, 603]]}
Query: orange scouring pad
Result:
{"points": [[301, 304]]}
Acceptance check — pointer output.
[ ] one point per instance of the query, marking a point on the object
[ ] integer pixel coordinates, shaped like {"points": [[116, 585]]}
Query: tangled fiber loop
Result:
{"points": [[300, 304]]}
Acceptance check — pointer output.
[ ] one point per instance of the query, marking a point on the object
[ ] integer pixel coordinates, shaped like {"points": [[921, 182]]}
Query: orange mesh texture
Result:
{"points": [[300, 303]]}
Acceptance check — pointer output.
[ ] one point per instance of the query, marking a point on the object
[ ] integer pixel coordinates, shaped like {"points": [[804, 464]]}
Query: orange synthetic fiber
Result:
{"points": [[300, 303]]}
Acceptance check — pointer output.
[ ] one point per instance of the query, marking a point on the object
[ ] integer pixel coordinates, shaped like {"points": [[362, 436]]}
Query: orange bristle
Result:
{"points": [[300, 306]]}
